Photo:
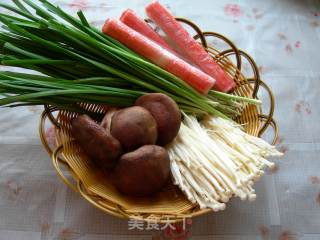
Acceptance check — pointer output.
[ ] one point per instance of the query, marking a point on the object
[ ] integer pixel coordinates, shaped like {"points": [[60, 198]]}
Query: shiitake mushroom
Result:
{"points": [[96, 142], [134, 127], [156, 118], [142, 172], [166, 113]]}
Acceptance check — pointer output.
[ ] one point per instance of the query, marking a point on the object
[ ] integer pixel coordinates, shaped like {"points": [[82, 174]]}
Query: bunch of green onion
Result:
{"points": [[77, 63]]}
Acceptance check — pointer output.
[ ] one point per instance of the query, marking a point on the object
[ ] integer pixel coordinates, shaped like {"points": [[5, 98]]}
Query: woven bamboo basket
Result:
{"points": [[170, 205]]}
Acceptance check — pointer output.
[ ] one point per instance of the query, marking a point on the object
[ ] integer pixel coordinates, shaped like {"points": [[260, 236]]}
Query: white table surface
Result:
{"points": [[283, 36]]}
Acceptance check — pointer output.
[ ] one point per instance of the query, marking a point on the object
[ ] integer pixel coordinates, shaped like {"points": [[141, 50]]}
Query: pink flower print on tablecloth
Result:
{"points": [[250, 27], [68, 234], [283, 149], [314, 24], [281, 146], [233, 10], [297, 44], [51, 137], [303, 107], [263, 69], [264, 232], [314, 179], [275, 168], [14, 190], [45, 227], [287, 235], [255, 10], [79, 4], [257, 14], [288, 48], [33, 109], [282, 36]]}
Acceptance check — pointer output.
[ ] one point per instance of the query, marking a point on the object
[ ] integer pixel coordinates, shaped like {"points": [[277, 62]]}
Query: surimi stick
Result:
{"points": [[191, 49], [131, 19], [158, 55]]}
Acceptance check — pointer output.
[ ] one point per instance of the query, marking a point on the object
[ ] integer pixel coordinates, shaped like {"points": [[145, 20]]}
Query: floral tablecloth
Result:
{"points": [[283, 37]]}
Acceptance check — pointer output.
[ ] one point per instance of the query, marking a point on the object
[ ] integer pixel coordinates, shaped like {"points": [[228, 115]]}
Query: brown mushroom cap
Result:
{"points": [[134, 127], [166, 113], [143, 172], [96, 142]]}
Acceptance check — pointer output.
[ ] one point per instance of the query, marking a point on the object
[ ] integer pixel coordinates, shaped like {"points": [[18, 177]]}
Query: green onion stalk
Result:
{"points": [[77, 63]]}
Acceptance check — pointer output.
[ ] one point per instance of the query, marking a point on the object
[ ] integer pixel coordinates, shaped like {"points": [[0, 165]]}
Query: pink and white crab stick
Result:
{"points": [[158, 55], [131, 19], [190, 48]]}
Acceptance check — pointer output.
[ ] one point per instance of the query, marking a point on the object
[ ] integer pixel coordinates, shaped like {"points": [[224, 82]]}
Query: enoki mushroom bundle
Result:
{"points": [[214, 159]]}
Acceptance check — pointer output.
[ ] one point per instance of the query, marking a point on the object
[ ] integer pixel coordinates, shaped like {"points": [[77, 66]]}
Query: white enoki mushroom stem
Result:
{"points": [[215, 159]]}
